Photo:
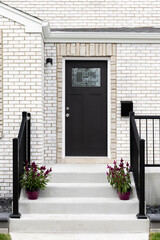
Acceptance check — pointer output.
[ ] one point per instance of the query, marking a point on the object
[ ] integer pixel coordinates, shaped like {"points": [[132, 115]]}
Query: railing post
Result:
{"points": [[28, 136], [131, 115], [15, 210], [24, 115], [141, 214]]}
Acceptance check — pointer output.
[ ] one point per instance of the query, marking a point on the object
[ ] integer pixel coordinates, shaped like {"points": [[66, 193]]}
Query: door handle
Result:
{"points": [[67, 115]]}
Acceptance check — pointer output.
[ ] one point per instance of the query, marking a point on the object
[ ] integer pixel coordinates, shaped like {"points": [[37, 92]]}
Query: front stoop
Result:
{"points": [[79, 201]]}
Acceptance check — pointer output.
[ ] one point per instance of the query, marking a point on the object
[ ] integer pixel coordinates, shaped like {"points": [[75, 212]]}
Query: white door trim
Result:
{"points": [[107, 59]]}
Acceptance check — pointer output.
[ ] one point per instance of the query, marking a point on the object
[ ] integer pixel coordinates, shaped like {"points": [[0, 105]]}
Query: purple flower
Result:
{"points": [[127, 164], [46, 173], [114, 162], [38, 174], [26, 163], [107, 173], [34, 165], [121, 165], [43, 168], [27, 168]]}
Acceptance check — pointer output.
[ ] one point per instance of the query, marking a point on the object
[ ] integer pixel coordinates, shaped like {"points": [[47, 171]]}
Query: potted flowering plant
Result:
{"points": [[34, 179], [119, 178]]}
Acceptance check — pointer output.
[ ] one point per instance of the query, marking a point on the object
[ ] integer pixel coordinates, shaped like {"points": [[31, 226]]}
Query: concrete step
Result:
{"points": [[78, 173], [82, 223], [79, 177], [79, 206], [76, 236], [79, 190]]}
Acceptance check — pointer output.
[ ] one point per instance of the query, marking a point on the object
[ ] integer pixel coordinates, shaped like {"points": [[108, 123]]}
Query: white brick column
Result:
{"points": [[23, 90]]}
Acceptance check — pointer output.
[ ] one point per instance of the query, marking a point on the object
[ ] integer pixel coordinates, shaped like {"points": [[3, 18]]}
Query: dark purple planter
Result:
{"points": [[32, 195], [124, 196]]}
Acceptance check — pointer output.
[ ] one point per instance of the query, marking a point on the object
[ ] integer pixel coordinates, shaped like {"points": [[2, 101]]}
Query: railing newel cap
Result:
{"points": [[24, 114], [28, 116], [131, 113]]}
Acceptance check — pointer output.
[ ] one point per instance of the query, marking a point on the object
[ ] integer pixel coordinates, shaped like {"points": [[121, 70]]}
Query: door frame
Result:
{"points": [[108, 60]]}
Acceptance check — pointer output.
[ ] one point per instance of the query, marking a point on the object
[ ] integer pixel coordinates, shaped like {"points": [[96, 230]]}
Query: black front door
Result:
{"points": [[86, 108]]}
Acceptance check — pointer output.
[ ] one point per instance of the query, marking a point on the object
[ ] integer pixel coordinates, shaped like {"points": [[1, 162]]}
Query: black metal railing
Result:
{"points": [[149, 129], [137, 161], [144, 151], [21, 154]]}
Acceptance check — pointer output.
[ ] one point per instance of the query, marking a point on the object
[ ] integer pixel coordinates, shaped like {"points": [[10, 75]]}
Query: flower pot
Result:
{"points": [[32, 195], [124, 196]]}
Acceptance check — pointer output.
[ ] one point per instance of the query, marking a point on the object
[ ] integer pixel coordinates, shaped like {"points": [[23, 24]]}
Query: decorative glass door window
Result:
{"points": [[86, 77]]}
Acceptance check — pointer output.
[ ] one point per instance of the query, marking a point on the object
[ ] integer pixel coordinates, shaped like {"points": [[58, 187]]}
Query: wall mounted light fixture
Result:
{"points": [[49, 61]]}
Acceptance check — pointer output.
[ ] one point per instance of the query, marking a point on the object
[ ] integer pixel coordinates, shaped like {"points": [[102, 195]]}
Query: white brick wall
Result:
{"points": [[1, 91], [50, 110], [24, 88], [138, 79], [93, 13], [23, 63]]}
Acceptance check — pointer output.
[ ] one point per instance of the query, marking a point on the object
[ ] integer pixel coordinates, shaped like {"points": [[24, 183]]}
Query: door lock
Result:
{"points": [[67, 115]]}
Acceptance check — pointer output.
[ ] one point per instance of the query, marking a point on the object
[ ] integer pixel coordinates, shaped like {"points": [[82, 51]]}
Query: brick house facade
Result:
{"points": [[126, 34]]}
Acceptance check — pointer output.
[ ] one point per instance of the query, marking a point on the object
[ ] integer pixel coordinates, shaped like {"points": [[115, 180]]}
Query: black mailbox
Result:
{"points": [[126, 107]]}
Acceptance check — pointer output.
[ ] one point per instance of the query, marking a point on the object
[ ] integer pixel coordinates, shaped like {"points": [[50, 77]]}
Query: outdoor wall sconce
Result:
{"points": [[126, 107], [49, 61]]}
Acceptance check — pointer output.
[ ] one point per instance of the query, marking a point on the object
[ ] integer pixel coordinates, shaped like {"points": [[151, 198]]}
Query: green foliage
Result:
{"points": [[34, 177], [119, 177], [154, 236], [5, 236]]}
